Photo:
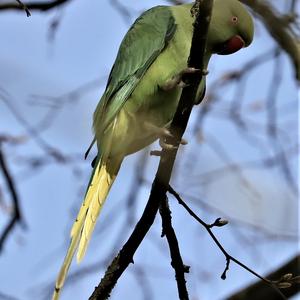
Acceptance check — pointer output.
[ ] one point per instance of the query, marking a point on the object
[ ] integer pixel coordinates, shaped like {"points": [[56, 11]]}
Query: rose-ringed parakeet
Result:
{"points": [[142, 94]]}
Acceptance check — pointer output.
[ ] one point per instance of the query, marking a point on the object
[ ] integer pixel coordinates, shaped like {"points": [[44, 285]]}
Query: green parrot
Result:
{"points": [[142, 93]]}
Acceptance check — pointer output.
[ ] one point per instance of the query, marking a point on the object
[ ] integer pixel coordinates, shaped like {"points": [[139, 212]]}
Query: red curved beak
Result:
{"points": [[234, 44]]}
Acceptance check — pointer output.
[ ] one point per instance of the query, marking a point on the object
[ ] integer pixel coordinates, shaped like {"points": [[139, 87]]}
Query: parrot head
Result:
{"points": [[231, 27]]}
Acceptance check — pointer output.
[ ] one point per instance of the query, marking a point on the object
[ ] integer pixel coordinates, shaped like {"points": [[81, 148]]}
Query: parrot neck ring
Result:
{"points": [[232, 45]]}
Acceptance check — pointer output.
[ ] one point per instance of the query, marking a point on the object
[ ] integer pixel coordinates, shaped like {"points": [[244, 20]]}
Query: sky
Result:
{"points": [[36, 73]]}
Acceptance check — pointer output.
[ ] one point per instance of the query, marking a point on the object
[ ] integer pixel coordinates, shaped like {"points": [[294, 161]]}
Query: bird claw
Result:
{"points": [[176, 80], [167, 133], [182, 84], [155, 153], [167, 146], [163, 133]]}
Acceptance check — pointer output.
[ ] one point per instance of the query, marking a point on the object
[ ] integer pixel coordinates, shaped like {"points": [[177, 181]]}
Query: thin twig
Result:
{"points": [[122, 9], [176, 263], [33, 132], [16, 215], [34, 5], [24, 7], [217, 242]]}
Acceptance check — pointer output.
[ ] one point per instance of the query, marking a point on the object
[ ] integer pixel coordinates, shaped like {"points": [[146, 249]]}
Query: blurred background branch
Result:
{"points": [[16, 216], [280, 27]]}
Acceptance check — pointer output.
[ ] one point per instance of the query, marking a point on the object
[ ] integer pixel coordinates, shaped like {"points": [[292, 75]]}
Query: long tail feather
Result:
{"points": [[65, 267], [105, 180], [100, 184]]}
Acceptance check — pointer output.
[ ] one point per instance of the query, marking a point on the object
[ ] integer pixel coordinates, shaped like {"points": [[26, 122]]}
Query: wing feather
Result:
{"points": [[144, 41]]}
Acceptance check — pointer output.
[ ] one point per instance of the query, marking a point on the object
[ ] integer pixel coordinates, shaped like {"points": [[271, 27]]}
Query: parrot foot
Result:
{"points": [[164, 145], [167, 146], [162, 133], [155, 153], [176, 81]]}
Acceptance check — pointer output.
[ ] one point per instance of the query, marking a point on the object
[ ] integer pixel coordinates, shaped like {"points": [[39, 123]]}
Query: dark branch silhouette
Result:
{"points": [[32, 5], [25, 8], [16, 216], [176, 263]]}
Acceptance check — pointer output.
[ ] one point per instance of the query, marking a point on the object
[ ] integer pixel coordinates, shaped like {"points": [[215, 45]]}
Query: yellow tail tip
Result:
{"points": [[56, 294]]}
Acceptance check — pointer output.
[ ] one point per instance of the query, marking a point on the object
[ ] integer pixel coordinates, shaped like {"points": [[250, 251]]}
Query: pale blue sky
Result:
{"points": [[83, 50]]}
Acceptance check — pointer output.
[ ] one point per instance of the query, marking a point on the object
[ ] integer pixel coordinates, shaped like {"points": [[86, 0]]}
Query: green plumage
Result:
{"points": [[144, 41], [153, 52]]}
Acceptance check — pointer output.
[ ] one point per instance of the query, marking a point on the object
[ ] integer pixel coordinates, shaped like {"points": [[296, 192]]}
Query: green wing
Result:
{"points": [[144, 41]]}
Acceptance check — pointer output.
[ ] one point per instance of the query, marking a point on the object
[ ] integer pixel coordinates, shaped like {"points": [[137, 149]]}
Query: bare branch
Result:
{"points": [[25, 8], [176, 263], [228, 257], [34, 5], [16, 215]]}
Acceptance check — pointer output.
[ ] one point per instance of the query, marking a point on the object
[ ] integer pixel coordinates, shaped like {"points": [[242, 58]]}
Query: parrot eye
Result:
{"points": [[234, 19]]}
